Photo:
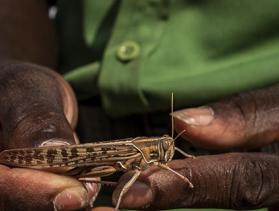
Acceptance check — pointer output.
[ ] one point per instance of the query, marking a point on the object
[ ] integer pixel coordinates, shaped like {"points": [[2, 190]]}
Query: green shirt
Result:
{"points": [[134, 53]]}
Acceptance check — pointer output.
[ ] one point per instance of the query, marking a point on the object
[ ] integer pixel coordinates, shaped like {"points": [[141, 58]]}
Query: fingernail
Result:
{"points": [[54, 142], [201, 116], [70, 199], [139, 196], [92, 189]]}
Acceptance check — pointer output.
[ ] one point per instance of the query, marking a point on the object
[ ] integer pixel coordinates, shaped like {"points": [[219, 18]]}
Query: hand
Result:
{"points": [[37, 108], [232, 180]]}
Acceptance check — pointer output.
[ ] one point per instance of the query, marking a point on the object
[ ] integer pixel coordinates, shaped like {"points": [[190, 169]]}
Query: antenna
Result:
{"points": [[176, 148], [172, 120]]}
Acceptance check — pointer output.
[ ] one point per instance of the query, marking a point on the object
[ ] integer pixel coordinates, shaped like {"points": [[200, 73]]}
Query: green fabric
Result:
{"points": [[200, 50], [88, 76]]}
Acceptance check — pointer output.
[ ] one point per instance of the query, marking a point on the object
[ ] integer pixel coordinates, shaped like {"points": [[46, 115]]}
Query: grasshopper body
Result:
{"points": [[122, 154], [98, 159]]}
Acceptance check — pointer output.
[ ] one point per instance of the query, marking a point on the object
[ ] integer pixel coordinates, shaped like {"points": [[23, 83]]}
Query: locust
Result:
{"points": [[100, 159]]}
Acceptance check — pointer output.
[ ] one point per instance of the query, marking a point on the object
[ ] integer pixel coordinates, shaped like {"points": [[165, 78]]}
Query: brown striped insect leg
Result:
{"points": [[73, 172], [100, 171], [127, 187]]}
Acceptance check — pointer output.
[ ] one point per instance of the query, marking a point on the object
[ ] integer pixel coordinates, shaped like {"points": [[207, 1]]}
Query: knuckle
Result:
{"points": [[258, 110], [245, 112], [248, 188], [246, 108]]}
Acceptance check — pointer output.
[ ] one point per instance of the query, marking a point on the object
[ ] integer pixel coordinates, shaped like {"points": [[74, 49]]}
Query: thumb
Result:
{"points": [[35, 107], [246, 120]]}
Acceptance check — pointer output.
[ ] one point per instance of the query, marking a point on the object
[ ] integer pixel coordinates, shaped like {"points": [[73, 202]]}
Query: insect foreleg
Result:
{"points": [[127, 187], [121, 165], [143, 156], [184, 153]]}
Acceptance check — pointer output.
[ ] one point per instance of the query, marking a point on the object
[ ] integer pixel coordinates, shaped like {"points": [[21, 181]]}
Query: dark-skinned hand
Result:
{"points": [[230, 180], [37, 108]]}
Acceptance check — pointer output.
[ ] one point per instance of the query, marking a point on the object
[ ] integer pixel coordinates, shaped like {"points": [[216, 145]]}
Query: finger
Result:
{"points": [[247, 120], [37, 190], [235, 181], [32, 106]]}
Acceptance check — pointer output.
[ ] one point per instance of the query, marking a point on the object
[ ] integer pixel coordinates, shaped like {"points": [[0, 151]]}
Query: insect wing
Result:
{"points": [[70, 155]]}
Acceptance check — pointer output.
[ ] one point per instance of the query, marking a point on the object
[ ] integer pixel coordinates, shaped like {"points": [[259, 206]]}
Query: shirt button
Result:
{"points": [[128, 51]]}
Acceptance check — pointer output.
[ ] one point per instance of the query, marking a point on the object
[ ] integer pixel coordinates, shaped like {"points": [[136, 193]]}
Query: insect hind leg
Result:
{"points": [[100, 171]]}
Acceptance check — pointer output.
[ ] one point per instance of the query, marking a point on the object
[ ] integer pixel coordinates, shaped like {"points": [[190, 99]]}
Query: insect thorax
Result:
{"points": [[168, 149], [160, 149]]}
